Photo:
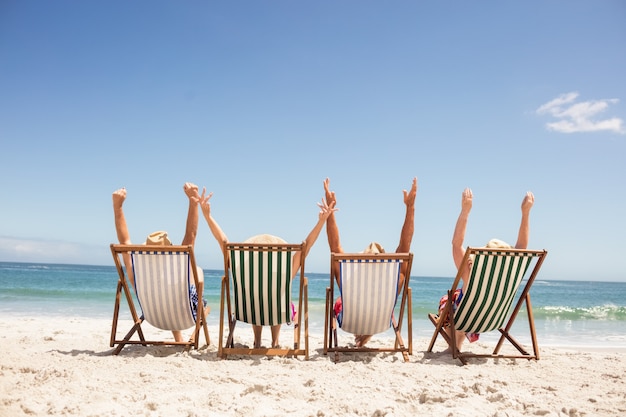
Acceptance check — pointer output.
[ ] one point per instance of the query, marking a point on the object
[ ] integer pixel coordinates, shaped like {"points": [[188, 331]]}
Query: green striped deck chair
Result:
{"points": [[369, 292], [163, 277], [494, 297], [257, 290]]}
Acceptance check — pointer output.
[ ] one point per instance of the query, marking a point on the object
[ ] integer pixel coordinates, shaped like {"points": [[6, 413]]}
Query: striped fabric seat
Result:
{"points": [[372, 301], [488, 300], [162, 286], [368, 293], [262, 286]]}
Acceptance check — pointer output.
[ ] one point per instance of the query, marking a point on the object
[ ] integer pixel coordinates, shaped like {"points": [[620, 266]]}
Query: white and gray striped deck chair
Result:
{"points": [[369, 289], [257, 289], [163, 276], [494, 297]]}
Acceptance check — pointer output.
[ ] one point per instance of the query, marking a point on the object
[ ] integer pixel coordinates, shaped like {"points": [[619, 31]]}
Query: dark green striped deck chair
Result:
{"points": [[163, 276], [498, 287], [257, 288]]}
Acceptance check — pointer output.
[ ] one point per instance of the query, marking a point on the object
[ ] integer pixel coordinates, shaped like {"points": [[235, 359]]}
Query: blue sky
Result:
{"points": [[260, 101]]}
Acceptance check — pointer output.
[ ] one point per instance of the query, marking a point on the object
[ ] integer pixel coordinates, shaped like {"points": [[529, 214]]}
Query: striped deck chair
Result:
{"points": [[369, 292], [261, 278], [493, 300], [163, 276]]}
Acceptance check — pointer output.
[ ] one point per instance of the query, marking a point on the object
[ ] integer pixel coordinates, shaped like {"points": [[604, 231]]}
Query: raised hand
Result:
{"points": [[409, 196], [466, 200], [118, 197], [203, 200], [191, 190], [326, 209], [528, 201], [330, 195]]}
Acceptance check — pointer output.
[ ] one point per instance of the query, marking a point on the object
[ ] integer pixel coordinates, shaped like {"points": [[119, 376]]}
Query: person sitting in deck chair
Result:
{"points": [[161, 238], [406, 236], [458, 251]]}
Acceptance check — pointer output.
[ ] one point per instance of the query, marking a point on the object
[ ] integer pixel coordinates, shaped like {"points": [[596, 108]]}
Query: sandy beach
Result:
{"points": [[63, 366]]}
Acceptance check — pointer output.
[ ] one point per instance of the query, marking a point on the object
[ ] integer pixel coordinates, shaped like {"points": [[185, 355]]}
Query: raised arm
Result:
{"points": [[406, 236], [216, 230], [326, 210], [191, 228], [331, 223], [524, 228], [119, 196], [458, 251]]}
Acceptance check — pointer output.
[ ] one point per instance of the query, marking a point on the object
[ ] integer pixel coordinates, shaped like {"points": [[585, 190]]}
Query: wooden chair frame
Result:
{"points": [[124, 287], [508, 317]]}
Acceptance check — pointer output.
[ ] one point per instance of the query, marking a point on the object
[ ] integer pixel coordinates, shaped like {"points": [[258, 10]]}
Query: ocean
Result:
{"points": [[567, 313]]}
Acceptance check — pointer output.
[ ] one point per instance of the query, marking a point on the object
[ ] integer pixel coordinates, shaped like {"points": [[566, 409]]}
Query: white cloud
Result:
{"points": [[578, 117]]}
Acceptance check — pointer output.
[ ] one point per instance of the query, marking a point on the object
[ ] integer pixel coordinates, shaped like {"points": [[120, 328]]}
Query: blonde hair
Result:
{"points": [[493, 244], [498, 244], [264, 239]]}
